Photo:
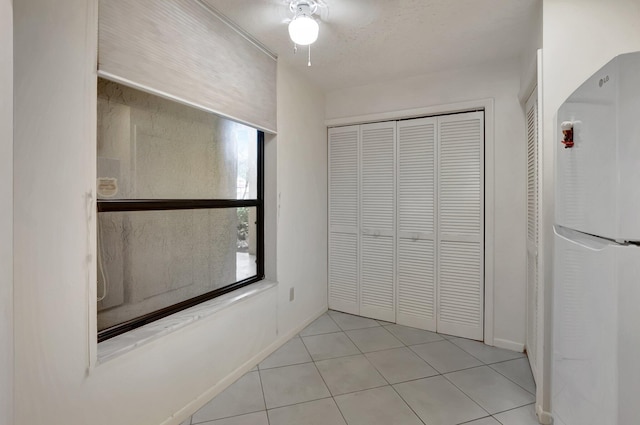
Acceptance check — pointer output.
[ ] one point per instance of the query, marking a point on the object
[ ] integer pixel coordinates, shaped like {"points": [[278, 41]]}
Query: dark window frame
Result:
{"points": [[107, 205]]}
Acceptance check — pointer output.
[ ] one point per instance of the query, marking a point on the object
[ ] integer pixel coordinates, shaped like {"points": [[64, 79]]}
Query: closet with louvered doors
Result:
{"points": [[420, 215]]}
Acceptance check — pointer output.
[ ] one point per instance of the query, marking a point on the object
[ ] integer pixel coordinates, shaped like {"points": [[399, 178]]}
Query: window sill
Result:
{"points": [[129, 341]]}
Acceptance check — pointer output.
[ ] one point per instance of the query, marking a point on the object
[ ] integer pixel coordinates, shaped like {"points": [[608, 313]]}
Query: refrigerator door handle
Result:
{"points": [[592, 243]]}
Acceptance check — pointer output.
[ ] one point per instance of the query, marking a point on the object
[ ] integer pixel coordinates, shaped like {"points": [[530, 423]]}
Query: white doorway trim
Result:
{"points": [[489, 182], [6, 215]]}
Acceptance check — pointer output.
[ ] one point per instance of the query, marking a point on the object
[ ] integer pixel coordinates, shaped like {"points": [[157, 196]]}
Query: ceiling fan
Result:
{"points": [[303, 27], [269, 21]]}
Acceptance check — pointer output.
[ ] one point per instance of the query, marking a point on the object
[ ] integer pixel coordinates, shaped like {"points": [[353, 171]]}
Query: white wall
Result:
{"points": [[580, 36], [302, 198], [6, 212], [55, 267], [528, 56], [501, 82]]}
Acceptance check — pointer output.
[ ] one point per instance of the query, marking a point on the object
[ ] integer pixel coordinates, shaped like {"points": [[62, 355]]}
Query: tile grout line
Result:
{"points": [[489, 366], [264, 399], [326, 313], [365, 357], [500, 373], [296, 403], [512, 381], [509, 410], [378, 351], [456, 345], [463, 392], [442, 373], [325, 382], [410, 327], [513, 408], [227, 417], [420, 357], [511, 360], [407, 404], [483, 364], [354, 329], [379, 373], [480, 360], [364, 354], [439, 374], [389, 384], [329, 316], [258, 370], [473, 420]]}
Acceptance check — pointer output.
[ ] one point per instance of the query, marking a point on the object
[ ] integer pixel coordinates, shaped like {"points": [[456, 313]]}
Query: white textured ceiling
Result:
{"points": [[368, 41]]}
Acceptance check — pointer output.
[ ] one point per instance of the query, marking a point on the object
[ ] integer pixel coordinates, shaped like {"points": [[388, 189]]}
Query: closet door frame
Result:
{"points": [[488, 106]]}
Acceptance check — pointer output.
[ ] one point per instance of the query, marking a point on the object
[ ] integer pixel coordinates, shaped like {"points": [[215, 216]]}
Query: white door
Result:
{"points": [[416, 233], [343, 218], [377, 221], [532, 229], [460, 238]]}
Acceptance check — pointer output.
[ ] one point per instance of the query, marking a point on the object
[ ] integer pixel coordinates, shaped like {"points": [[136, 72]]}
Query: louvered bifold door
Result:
{"points": [[416, 265], [461, 225], [343, 219], [532, 231], [377, 215]]}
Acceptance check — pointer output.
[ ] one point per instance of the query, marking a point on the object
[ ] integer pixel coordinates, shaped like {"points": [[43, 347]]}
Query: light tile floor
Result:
{"points": [[350, 370]]}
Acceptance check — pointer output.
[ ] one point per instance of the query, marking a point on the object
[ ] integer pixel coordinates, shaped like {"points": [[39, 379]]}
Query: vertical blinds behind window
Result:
{"points": [[180, 49]]}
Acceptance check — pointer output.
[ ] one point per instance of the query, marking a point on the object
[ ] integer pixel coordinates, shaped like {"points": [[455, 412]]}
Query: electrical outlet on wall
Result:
{"points": [[292, 294]]}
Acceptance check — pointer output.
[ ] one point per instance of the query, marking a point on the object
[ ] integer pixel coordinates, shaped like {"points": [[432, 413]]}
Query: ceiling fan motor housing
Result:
{"points": [[303, 7]]}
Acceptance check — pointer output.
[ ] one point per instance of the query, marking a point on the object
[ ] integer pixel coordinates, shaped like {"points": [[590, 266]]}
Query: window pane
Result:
{"points": [[149, 260], [153, 148]]}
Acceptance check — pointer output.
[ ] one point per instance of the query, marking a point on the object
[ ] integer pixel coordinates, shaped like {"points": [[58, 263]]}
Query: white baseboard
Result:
{"points": [[508, 345], [208, 395], [544, 418]]}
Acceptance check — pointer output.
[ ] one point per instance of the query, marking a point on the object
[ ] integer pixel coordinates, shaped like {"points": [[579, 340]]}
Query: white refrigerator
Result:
{"points": [[596, 293]]}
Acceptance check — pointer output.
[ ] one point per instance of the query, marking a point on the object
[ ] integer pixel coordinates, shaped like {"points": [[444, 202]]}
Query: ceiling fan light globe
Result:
{"points": [[303, 30]]}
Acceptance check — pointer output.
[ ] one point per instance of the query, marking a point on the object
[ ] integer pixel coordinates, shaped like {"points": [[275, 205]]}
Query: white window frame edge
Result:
{"points": [[487, 105]]}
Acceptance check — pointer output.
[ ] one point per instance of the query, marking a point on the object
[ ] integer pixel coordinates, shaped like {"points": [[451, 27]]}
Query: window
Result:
{"points": [[180, 207]]}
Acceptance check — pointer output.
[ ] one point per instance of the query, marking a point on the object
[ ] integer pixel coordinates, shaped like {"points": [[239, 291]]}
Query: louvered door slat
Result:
{"points": [[378, 179], [343, 270], [343, 218], [416, 223], [377, 276], [343, 170], [416, 283], [377, 218], [532, 231], [460, 236]]}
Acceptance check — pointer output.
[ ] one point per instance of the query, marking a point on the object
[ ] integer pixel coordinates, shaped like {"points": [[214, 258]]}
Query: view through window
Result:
{"points": [[179, 207]]}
